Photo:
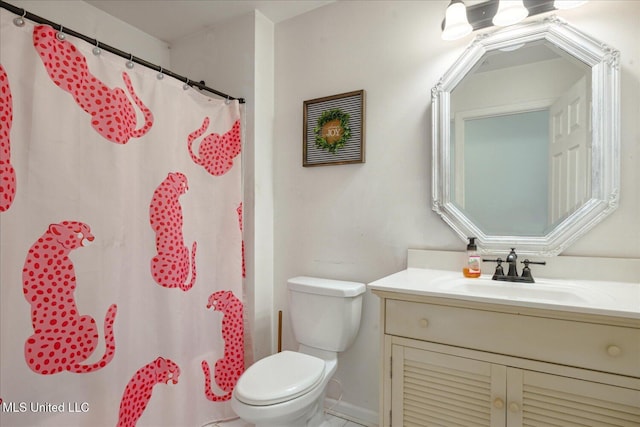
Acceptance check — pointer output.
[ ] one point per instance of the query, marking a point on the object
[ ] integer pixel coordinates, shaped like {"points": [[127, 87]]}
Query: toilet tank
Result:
{"points": [[325, 313]]}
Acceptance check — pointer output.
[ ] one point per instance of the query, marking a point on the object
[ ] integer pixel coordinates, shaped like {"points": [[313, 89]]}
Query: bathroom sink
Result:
{"points": [[602, 297], [540, 291]]}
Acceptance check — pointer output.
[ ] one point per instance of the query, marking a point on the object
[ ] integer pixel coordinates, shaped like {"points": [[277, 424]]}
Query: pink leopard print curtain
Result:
{"points": [[121, 240]]}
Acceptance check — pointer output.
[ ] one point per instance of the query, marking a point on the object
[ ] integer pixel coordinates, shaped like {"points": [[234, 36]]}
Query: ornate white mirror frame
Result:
{"points": [[605, 118]]}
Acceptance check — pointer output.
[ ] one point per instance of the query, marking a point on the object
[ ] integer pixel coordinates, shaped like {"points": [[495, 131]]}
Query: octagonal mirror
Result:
{"points": [[526, 138]]}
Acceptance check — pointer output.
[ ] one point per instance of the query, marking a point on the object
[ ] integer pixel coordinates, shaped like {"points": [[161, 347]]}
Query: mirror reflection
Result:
{"points": [[521, 140]]}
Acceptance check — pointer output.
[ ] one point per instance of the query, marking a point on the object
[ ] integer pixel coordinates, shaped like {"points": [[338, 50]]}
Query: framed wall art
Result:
{"points": [[333, 130]]}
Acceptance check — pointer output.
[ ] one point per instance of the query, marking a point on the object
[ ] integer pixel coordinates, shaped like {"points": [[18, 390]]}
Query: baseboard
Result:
{"points": [[351, 412]]}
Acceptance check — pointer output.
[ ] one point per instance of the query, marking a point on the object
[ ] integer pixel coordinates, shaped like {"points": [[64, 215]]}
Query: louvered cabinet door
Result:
{"points": [[542, 400], [435, 389]]}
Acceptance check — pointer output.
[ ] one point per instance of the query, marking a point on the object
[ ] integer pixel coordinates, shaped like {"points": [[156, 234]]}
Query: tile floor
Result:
{"points": [[333, 420], [341, 422]]}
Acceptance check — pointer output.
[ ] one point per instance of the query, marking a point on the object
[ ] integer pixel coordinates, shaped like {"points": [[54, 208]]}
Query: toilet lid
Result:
{"points": [[278, 378]]}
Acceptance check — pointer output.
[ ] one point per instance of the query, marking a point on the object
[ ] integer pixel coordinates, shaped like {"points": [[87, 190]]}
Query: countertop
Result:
{"points": [[608, 298]]}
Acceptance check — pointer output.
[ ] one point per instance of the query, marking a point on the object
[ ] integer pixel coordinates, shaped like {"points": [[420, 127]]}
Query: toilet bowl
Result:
{"points": [[287, 389]]}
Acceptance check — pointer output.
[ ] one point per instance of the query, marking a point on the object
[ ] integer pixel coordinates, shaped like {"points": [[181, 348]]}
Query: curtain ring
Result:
{"points": [[19, 20], [96, 50], [129, 63], [227, 101], [61, 35], [160, 75], [186, 85]]}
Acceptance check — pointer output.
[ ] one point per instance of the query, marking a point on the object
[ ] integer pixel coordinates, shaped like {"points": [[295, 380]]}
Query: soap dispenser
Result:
{"points": [[472, 266]]}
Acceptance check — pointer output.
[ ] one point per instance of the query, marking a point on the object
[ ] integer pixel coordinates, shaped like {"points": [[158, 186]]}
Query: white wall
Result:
{"points": [[356, 221], [88, 20]]}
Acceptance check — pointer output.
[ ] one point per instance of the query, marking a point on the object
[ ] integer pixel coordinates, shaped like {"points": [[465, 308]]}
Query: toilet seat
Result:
{"points": [[279, 378]]}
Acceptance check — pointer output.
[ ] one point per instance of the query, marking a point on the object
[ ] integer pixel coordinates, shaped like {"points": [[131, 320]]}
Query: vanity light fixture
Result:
{"points": [[495, 12], [457, 24]]}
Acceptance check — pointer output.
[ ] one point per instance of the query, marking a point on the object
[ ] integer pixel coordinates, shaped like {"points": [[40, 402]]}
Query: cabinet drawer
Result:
{"points": [[593, 346]]}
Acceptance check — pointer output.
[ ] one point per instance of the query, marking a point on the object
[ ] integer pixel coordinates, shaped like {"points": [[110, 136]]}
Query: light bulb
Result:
{"points": [[568, 4], [456, 23], [510, 12]]}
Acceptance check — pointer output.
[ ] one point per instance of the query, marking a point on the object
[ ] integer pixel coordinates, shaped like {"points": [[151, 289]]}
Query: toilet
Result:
{"points": [[287, 389]]}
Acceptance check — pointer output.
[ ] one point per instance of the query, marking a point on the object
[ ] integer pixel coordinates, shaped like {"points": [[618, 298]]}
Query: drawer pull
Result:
{"points": [[614, 351], [514, 407], [424, 323], [498, 403]]}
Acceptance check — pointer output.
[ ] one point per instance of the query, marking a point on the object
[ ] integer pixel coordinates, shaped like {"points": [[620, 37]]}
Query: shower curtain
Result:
{"points": [[121, 245]]}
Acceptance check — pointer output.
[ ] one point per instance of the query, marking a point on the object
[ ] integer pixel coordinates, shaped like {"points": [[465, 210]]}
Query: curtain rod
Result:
{"points": [[35, 18]]}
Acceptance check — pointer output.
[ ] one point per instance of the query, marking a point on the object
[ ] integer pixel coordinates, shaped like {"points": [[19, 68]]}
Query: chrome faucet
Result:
{"points": [[512, 273]]}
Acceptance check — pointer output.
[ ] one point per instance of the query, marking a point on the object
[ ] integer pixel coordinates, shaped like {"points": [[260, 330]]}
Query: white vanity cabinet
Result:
{"points": [[453, 362]]}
